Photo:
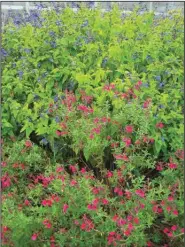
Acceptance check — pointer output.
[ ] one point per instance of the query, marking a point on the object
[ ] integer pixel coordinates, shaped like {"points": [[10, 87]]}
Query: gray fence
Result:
{"points": [[157, 7]]}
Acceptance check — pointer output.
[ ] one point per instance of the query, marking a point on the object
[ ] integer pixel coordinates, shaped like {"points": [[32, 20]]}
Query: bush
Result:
{"points": [[75, 210], [101, 95]]}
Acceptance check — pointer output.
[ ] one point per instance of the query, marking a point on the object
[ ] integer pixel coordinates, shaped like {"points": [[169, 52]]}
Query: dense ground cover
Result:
{"points": [[92, 129]]}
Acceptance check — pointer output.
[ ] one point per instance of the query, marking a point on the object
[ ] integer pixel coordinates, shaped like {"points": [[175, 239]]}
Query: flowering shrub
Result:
{"points": [[54, 208], [92, 129]]}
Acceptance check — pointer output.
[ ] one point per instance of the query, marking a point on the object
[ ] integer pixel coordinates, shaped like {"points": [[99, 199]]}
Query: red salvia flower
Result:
{"points": [[47, 202], [34, 236], [73, 168], [47, 224], [65, 207], [129, 129], [27, 203], [175, 212], [121, 157], [159, 125], [73, 183], [172, 165], [174, 228], [83, 170], [105, 201], [28, 144], [140, 193], [109, 174], [127, 141]]}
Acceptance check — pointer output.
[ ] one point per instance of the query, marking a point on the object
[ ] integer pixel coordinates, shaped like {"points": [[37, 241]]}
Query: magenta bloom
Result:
{"points": [[140, 193], [65, 207], [129, 129], [34, 237]]}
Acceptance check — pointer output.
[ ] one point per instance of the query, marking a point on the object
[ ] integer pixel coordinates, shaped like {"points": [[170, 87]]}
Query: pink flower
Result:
{"points": [[115, 218], [121, 222], [26, 203], [59, 169], [127, 232], [139, 83], [28, 144], [112, 86], [170, 198], [149, 244], [159, 167], [6, 181], [172, 166], [47, 224], [92, 207], [128, 194], [175, 212], [73, 168], [174, 228], [91, 136], [127, 141], [63, 125], [166, 230], [129, 217], [87, 224], [65, 207], [96, 130], [140, 193], [109, 174], [85, 109], [105, 201], [109, 87], [162, 203], [182, 230], [136, 220], [55, 198], [159, 210], [129, 129], [73, 183], [58, 133], [95, 201], [168, 209], [95, 190], [112, 237], [155, 208], [159, 125], [82, 108], [34, 236], [96, 120], [114, 144], [118, 191], [142, 205], [170, 234], [83, 170], [121, 157], [130, 226], [3, 164], [146, 104], [47, 202], [105, 119]]}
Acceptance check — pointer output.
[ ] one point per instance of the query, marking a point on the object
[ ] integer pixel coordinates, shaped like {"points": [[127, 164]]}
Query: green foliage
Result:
{"points": [[103, 92]]}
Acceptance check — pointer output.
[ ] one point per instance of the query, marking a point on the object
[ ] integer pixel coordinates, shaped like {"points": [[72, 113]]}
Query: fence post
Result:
{"points": [[151, 6], [28, 7]]}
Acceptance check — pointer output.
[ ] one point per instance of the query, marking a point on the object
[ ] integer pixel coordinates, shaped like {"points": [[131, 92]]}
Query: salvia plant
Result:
{"points": [[92, 137]]}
